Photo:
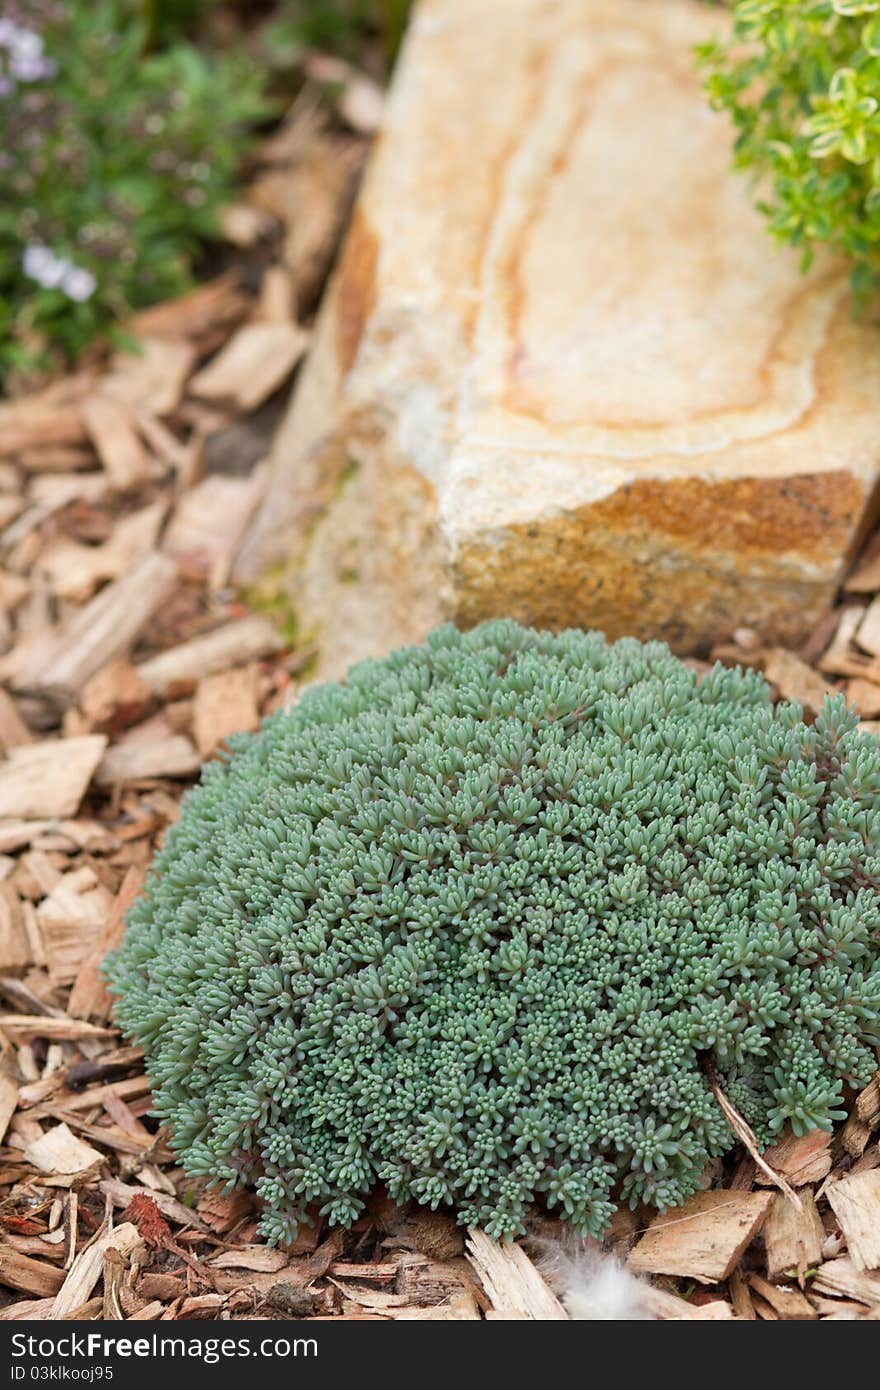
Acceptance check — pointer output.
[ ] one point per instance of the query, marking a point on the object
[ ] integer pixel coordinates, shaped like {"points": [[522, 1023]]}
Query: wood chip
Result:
{"points": [[50, 778], [177, 671], [512, 1282], [209, 524], [55, 458], [739, 1296], [258, 1258], [107, 627], [142, 760], [35, 422], [788, 1303], [59, 1151], [667, 1307], [855, 1201], [180, 457], [253, 364], [225, 704], [245, 225], [802, 1159], [203, 1305], [199, 314], [868, 1104], [35, 869], [71, 919], [27, 1308], [89, 997], [426, 1281], [14, 589], [55, 1029], [10, 507], [838, 1309], [114, 697], [704, 1238], [461, 1307], [84, 833], [362, 105], [311, 199], [277, 301], [14, 733], [15, 947], [88, 1267], [865, 695], [865, 578], [868, 632], [8, 1102], [74, 571], [53, 492], [840, 659], [111, 428], [793, 1239], [163, 1287], [152, 379], [855, 1135], [795, 680], [121, 1194], [375, 1272], [362, 1296], [31, 1276], [843, 1277], [151, 1312], [67, 1105]]}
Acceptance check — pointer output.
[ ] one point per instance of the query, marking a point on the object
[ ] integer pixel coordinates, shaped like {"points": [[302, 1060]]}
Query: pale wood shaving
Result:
{"points": [[845, 1278], [88, 1267], [111, 428], [180, 668], [855, 1201], [107, 627], [513, 1284], [59, 1151], [704, 1238], [793, 1239], [46, 779], [252, 365]]}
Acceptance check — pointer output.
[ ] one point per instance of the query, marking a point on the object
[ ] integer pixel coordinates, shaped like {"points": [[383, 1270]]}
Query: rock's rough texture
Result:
{"points": [[562, 373]]}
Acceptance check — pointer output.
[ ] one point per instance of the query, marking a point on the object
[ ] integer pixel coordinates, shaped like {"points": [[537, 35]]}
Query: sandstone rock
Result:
{"points": [[562, 373]]}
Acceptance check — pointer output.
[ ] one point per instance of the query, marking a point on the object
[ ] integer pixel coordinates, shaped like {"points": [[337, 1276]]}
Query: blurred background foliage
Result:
{"points": [[124, 125]]}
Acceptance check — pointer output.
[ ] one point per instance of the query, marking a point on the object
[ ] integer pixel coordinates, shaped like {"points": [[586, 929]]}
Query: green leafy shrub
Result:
{"points": [[801, 79], [340, 26], [471, 924], [113, 164]]}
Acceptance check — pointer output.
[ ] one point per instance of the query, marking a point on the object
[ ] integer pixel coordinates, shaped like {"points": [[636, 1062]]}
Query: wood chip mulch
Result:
{"points": [[126, 660]]}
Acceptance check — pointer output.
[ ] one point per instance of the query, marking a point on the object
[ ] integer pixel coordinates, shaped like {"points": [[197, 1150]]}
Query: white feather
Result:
{"points": [[593, 1286]]}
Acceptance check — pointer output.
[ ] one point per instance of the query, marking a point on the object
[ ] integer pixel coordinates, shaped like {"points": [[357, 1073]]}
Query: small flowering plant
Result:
{"points": [[113, 164], [801, 80]]}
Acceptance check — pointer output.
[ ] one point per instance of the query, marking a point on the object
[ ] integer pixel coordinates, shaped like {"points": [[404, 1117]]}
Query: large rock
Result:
{"points": [[562, 372]]}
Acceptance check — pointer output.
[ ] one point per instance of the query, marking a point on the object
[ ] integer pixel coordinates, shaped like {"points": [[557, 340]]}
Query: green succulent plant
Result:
{"points": [[801, 80], [473, 923]]}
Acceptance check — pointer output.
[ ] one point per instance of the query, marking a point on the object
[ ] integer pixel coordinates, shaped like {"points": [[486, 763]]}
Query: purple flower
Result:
{"points": [[36, 262], [78, 284], [31, 69], [27, 61], [52, 272]]}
